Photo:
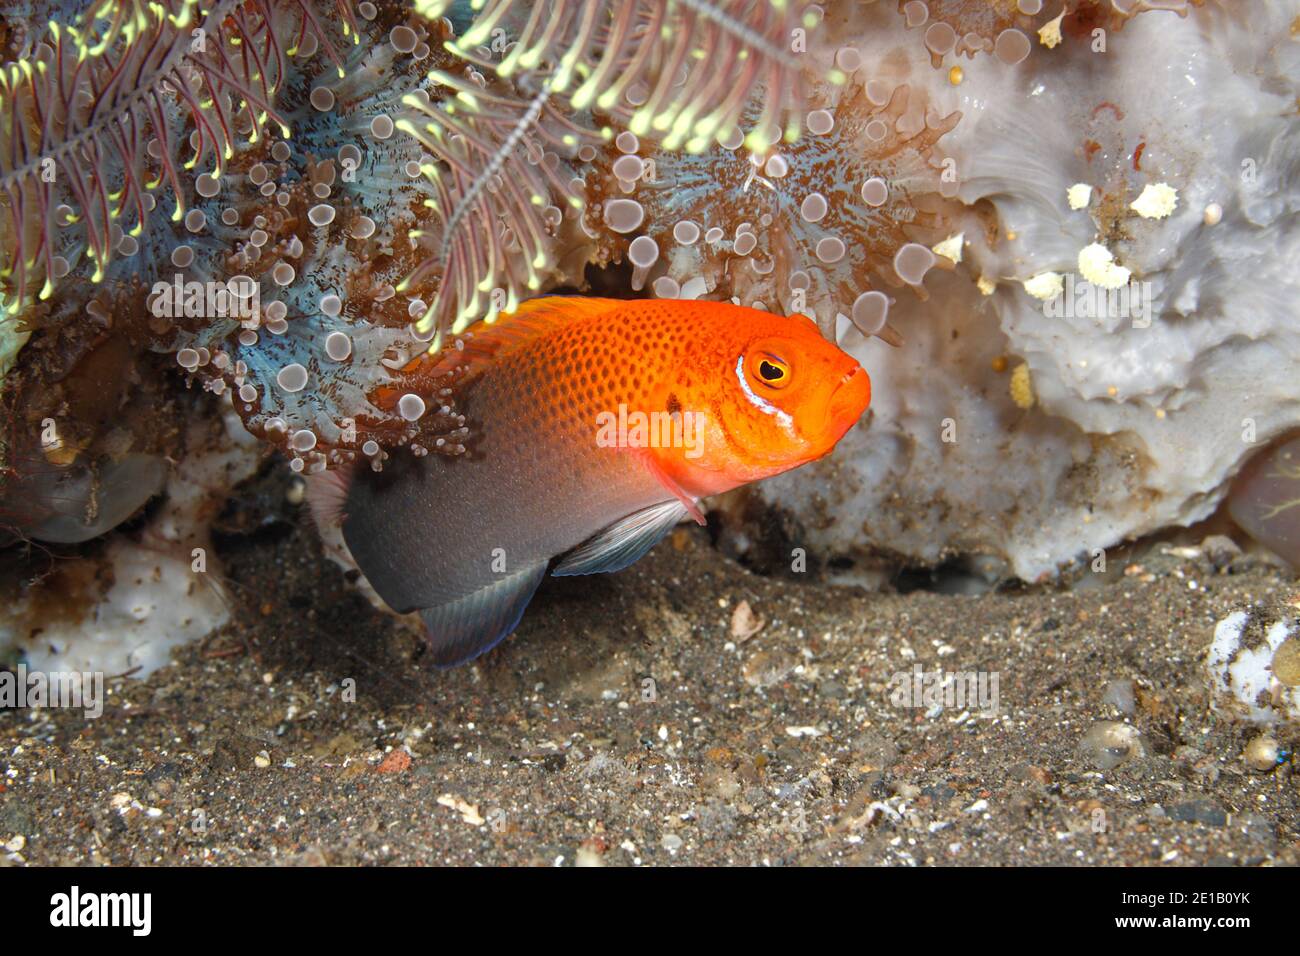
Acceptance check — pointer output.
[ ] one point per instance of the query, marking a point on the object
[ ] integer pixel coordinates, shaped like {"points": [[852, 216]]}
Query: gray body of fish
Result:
{"points": [[466, 539]]}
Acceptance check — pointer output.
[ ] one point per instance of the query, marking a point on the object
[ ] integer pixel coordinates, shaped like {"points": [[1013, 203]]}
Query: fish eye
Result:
{"points": [[770, 370]]}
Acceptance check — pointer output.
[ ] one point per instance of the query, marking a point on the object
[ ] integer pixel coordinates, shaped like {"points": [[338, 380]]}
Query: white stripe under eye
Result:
{"points": [[762, 404]]}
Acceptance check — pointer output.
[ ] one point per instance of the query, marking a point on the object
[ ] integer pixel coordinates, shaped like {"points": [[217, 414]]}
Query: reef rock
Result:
{"points": [[1052, 415]]}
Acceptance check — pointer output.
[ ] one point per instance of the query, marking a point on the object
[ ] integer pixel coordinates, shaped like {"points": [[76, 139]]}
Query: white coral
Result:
{"points": [[1140, 411]]}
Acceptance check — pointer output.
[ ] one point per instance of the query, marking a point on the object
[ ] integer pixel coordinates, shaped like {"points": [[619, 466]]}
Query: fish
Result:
{"points": [[596, 426]]}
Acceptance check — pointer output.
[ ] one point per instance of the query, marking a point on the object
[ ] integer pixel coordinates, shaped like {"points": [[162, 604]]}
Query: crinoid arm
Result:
{"points": [[541, 81], [127, 109]]}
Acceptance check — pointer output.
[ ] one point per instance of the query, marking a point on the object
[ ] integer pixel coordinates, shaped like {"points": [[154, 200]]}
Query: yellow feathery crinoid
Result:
{"points": [[127, 109], [497, 165], [543, 81]]}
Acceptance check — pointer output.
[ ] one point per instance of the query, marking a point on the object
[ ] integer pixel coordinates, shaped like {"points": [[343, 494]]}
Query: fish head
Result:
{"points": [[786, 396]]}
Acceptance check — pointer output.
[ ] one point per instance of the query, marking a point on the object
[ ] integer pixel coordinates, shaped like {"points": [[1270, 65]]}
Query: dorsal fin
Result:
{"points": [[534, 318], [327, 491], [483, 343]]}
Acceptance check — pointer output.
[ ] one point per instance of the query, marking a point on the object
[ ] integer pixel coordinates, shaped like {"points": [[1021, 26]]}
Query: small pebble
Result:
{"points": [[1201, 810], [1108, 743], [1286, 662], [1263, 754], [745, 623], [1121, 695], [1220, 550]]}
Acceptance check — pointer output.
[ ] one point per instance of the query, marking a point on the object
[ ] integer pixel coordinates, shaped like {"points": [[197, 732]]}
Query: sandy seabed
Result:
{"points": [[628, 722]]}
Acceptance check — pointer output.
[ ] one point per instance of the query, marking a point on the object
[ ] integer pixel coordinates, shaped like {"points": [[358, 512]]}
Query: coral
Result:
{"points": [[961, 28], [1251, 665], [320, 222], [121, 610], [813, 226], [677, 71], [1161, 378], [306, 279], [1009, 29]]}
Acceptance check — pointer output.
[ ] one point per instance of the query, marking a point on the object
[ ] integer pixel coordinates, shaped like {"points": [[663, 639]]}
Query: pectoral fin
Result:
{"points": [[673, 488], [622, 543], [463, 629]]}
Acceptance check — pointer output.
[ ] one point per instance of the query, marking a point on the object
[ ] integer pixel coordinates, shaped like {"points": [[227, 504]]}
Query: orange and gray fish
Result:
{"points": [[597, 425]]}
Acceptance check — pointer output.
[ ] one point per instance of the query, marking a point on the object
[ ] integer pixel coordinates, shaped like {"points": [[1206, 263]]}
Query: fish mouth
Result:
{"points": [[849, 400]]}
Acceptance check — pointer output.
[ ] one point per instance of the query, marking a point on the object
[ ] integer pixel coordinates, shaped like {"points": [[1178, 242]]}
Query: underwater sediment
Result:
{"points": [[772, 731], [1058, 237]]}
